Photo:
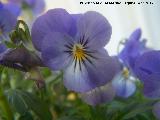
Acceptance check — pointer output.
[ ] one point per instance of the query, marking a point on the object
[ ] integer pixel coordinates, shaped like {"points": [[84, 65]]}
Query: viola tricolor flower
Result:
{"points": [[75, 44], [124, 83], [148, 71], [7, 24]]}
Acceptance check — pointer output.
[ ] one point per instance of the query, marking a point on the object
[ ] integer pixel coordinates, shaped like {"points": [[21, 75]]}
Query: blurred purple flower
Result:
{"points": [[37, 6], [124, 83], [11, 7], [147, 69], [74, 44], [7, 24], [133, 48]]}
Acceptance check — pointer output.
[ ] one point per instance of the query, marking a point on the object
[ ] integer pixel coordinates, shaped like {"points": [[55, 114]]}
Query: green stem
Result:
{"points": [[4, 105]]}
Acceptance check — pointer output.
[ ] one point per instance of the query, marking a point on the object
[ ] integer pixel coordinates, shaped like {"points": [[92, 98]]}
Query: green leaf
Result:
{"points": [[118, 105], [139, 109], [24, 101], [37, 106], [17, 101], [26, 116], [9, 44], [71, 118]]}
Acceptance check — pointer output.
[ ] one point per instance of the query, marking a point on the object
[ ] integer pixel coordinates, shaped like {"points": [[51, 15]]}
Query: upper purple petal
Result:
{"points": [[7, 24], [36, 5], [136, 35], [75, 18], [55, 20], [13, 8], [147, 69], [94, 28], [53, 50], [7, 21], [133, 48]]}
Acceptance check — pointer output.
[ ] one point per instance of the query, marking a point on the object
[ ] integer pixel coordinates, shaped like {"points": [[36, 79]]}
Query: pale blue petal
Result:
{"points": [[124, 87]]}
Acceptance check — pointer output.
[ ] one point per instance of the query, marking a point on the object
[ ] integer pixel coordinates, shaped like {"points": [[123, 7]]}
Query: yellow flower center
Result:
{"points": [[78, 52], [125, 73]]}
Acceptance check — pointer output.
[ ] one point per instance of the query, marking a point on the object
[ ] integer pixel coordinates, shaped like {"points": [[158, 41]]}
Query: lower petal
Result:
{"points": [[156, 110], [103, 68], [124, 87], [92, 73], [76, 79], [99, 95]]}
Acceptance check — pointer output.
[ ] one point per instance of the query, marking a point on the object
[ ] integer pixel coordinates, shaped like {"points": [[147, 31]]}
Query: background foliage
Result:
{"points": [[28, 102]]}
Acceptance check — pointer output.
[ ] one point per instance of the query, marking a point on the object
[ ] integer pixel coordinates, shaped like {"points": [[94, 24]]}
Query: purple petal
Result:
{"points": [[133, 49], [53, 49], [75, 18], [7, 21], [1, 5], [15, 1], [99, 95], [147, 69], [55, 20], [7, 24], [36, 5], [148, 64], [2, 48], [156, 110], [95, 28], [124, 87], [89, 75], [76, 79], [136, 35], [152, 86], [13, 8]]}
